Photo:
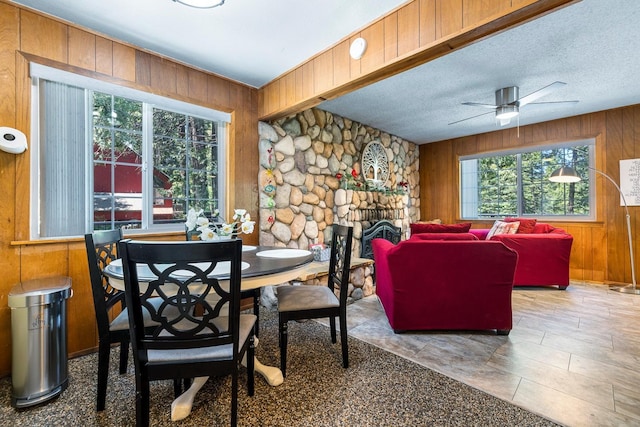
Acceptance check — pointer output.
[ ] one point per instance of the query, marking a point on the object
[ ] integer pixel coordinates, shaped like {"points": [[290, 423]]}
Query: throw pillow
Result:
{"points": [[417, 228], [526, 224], [501, 227]]}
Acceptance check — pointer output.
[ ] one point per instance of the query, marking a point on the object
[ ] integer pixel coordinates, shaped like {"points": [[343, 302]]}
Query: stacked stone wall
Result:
{"points": [[310, 177]]}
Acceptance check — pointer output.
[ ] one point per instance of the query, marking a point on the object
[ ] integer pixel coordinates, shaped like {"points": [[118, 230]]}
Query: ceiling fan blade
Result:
{"points": [[472, 117], [477, 104], [540, 93], [553, 102]]}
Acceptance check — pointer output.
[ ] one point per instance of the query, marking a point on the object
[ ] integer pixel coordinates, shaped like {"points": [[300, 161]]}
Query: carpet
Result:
{"points": [[378, 389]]}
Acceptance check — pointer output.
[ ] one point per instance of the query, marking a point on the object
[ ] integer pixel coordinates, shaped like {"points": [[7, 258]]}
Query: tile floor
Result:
{"points": [[572, 356]]}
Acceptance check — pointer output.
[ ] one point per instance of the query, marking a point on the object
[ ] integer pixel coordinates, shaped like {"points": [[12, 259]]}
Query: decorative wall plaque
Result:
{"points": [[375, 164]]}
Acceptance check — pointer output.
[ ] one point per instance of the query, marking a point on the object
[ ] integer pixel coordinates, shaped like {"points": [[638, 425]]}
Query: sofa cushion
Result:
{"points": [[502, 227], [443, 236], [527, 225], [417, 228]]}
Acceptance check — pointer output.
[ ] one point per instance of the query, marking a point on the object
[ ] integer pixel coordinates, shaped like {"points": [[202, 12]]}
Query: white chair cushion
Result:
{"points": [[305, 297]]}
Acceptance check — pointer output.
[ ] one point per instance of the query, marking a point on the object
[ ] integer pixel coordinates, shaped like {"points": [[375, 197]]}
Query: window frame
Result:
{"points": [[590, 142], [150, 101]]}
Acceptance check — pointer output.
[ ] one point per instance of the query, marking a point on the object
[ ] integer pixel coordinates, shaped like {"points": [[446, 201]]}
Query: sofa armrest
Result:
{"points": [[543, 259], [384, 287]]}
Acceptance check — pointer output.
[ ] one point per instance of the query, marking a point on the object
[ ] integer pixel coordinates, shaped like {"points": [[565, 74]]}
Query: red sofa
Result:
{"points": [[543, 254], [445, 284]]}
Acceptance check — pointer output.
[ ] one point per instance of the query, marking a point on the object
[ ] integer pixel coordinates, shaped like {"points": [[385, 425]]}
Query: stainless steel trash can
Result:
{"points": [[39, 339]]}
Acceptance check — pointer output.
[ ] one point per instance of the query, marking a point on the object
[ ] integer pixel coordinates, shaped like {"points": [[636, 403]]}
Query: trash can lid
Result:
{"points": [[40, 291]]}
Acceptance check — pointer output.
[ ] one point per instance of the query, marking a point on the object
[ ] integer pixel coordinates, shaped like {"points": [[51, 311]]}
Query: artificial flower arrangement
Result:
{"points": [[350, 182], [208, 230]]}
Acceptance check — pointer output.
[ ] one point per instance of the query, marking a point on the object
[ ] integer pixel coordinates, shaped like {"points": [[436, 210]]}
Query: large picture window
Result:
{"points": [[111, 157], [516, 183]]}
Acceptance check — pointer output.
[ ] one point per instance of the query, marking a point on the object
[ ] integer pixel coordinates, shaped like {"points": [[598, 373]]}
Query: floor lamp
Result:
{"points": [[567, 174]]}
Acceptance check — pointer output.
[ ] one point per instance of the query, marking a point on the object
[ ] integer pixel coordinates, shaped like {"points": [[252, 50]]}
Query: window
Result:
{"points": [[109, 156], [517, 183]]}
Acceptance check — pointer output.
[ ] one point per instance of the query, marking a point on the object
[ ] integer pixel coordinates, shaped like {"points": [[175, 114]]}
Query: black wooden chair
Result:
{"points": [[101, 250], [315, 302], [208, 337]]}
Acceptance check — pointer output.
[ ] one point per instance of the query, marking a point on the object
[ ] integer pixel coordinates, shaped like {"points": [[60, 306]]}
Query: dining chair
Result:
{"points": [[101, 250], [198, 333], [315, 302]]}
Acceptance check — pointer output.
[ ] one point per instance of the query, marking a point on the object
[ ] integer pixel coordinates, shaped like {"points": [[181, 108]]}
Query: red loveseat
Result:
{"points": [[543, 254], [445, 284]]}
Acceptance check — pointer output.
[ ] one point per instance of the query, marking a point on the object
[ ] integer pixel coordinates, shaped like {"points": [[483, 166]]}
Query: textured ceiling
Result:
{"points": [[593, 46]]}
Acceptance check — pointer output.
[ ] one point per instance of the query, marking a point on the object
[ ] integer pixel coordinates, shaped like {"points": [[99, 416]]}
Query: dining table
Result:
{"points": [[261, 266]]}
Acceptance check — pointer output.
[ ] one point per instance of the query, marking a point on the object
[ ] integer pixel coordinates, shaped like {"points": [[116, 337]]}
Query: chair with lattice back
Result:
{"points": [[316, 302], [101, 250], [208, 336]]}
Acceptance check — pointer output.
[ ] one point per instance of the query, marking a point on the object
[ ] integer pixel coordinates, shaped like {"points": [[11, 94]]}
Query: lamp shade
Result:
{"points": [[565, 174], [201, 4]]}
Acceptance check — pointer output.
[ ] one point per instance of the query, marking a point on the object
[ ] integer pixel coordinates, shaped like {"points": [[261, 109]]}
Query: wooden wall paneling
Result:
{"points": [[282, 87], [599, 259], [82, 49], [390, 37], [219, 93], [124, 62], [289, 93], [618, 254], [341, 64], [22, 164], [198, 87], [82, 328], [39, 261], [272, 95], [354, 64], [466, 145], [43, 37], [307, 80], [9, 43], [448, 17], [9, 256], [577, 260], [299, 79], [104, 56], [475, 11], [557, 130], [182, 81], [574, 127], [408, 28], [323, 72], [155, 72], [373, 57], [427, 22]]}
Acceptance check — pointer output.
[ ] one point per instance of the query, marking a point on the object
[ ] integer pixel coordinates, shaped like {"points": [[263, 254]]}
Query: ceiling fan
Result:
{"points": [[508, 102]]}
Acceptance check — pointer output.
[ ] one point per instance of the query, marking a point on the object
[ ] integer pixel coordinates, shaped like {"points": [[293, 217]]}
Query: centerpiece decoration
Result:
{"points": [[199, 225]]}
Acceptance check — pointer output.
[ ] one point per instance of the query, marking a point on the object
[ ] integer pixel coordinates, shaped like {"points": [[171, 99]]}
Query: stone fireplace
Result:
{"points": [[311, 176]]}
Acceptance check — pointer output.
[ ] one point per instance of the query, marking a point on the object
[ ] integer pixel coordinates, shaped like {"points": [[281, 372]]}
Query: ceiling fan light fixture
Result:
{"points": [[201, 4], [506, 112]]}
